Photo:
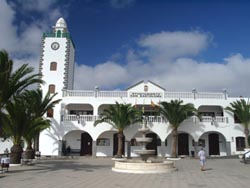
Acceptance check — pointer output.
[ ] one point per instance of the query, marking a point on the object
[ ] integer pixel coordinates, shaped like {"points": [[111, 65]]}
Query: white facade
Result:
{"points": [[73, 118]]}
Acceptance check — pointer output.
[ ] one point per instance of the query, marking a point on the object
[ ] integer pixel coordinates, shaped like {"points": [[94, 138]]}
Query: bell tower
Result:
{"points": [[57, 69], [57, 59]]}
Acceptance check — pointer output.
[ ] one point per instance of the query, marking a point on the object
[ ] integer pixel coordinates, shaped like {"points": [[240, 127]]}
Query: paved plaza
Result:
{"points": [[96, 172]]}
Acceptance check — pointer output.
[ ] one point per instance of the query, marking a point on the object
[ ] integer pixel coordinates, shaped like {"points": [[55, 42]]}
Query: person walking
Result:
{"points": [[202, 156]]}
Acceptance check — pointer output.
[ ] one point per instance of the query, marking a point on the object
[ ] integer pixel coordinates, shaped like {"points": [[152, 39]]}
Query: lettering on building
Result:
{"points": [[145, 95]]}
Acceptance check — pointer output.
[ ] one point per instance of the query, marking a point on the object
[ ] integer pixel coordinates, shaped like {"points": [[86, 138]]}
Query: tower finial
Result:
{"points": [[61, 23]]}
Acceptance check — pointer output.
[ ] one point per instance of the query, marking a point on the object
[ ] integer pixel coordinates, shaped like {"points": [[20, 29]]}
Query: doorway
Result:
{"points": [[183, 144], [86, 144], [213, 142]]}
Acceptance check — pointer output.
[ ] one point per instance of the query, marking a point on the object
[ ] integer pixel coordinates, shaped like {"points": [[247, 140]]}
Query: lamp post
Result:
{"points": [[96, 90], [225, 93], [194, 92]]}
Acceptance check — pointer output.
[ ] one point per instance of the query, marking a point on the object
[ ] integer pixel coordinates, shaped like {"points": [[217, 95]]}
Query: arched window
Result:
{"points": [[240, 143], [52, 88], [50, 113], [58, 34], [53, 66]]}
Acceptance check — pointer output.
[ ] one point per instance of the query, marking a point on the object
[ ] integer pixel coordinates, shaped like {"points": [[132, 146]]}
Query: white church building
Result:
{"points": [[218, 131]]}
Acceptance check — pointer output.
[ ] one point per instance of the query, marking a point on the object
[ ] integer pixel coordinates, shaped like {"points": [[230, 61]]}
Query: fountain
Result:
{"points": [[143, 166], [144, 153]]}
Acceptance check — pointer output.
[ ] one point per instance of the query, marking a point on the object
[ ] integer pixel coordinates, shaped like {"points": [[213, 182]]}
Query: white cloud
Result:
{"points": [[8, 36], [167, 58], [107, 75], [166, 45], [22, 38], [176, 71]]}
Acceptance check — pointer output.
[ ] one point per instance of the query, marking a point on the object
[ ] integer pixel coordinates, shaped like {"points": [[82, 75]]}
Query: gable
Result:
{"points": [[146, 89]]}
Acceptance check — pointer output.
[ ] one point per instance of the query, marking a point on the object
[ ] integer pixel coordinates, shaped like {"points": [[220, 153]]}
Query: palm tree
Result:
{"points": [[241, 110], [23, 120], [15, 122], [176, 112], [38, 106], [120, 116], [35, 126], [13, 82]]}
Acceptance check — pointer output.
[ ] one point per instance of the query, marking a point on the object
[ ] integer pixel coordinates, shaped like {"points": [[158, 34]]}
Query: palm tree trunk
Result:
{"points": [[119, 150], [29, 152], [16, 154], [246, 132], [174, 142], [36, 142]]}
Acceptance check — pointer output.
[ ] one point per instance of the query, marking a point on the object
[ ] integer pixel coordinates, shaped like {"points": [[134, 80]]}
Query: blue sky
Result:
{"points": [[178, 44]]}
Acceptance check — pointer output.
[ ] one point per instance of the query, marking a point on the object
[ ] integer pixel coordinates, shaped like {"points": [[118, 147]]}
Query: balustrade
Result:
{"points": [[87, 118], [112, 94], [149, 119], [219, 119], [124, 94], [178, 95]]}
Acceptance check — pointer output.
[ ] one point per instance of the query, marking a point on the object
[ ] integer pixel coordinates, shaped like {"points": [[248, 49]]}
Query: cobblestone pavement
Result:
{"points": [[96, 172]]}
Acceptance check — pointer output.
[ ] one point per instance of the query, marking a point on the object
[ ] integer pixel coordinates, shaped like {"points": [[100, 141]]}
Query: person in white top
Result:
{"points": [[202, 156]]}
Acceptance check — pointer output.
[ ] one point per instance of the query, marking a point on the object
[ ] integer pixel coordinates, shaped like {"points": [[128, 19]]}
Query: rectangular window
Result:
{"points": [[103, 142], [52, 88], [50, 113], [236, 119], [240, 143], [201, 142], [81, 112], [53, 66]]}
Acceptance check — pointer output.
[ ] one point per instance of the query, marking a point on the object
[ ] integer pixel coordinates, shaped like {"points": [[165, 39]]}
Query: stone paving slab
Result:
{"points": [[96, 172]]}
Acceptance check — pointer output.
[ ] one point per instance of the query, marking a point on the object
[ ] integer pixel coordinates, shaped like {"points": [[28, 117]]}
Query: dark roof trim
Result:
{"points": [[135, 84]]}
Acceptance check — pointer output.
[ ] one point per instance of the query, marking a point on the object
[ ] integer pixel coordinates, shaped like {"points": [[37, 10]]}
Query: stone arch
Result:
{"points": [[185, 143], [211, 110], [105, 143], [214, 142], [79, 109], [79, 141], [102, 107]]}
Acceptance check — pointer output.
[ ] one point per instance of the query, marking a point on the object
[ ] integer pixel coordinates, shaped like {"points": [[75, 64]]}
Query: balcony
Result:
{"points": [[218, 119], [86, 118], [53, 35], [149, 119], [125, 94]]}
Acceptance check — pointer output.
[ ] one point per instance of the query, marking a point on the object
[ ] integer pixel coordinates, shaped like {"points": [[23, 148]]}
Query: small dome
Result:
{"points": [[61, 23]]}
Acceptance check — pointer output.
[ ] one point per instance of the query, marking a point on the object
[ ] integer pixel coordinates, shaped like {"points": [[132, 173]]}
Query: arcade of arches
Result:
{"points": [[81, 143]]}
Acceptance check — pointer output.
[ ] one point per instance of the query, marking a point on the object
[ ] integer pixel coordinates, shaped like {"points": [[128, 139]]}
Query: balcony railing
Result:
{"points": [[78, 93], [87, 118], [125, 94], [178, 95], [63, 35], [112, 94], [205, 95], [219, 119], [149, 119]]}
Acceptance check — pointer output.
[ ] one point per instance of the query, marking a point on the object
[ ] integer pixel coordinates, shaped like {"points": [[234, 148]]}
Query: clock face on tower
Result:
{"points": [[55, 45]]}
